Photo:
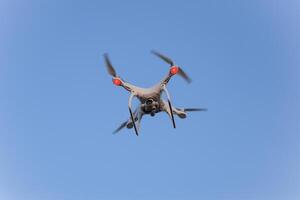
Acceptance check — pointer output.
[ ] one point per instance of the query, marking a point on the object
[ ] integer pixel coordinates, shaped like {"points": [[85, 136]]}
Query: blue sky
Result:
{"points": [[58, 106]]}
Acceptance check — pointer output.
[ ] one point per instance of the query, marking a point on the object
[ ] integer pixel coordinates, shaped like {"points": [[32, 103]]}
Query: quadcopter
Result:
{"points": [[151, 101]]}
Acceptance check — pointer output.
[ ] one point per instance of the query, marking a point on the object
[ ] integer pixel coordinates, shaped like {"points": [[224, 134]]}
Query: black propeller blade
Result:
{"points": [[184, 75], [194, 109], [111, 70], [124, 124], [170, 61], [120, 127], [163, 57]]}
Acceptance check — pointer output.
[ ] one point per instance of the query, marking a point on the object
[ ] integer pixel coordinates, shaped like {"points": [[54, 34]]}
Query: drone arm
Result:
{"points": [[170, 105], [166, 79], [127, 86], [173, 71], [130, 111]]}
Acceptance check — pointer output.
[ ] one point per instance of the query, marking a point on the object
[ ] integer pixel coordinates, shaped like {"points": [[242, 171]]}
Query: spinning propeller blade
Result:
{"points": [[184, 75], [163, 57], [171, 63], [111, 70], [194, 109], [120, 127]]}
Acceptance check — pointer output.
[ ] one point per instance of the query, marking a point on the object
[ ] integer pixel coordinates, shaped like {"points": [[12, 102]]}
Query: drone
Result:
{"points": [[151, 101]]}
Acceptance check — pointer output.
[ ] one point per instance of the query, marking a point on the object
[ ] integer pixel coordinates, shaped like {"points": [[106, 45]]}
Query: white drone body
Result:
{"points": [[151, 101]]}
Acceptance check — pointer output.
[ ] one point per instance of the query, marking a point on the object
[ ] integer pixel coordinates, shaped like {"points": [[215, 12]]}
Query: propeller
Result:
{"points": [[163, 57], [124, 124], [120, 127], [110, 69], [194, 109], [174, 69]]}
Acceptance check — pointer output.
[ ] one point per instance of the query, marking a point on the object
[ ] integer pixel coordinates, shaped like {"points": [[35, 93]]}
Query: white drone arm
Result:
{"points": [[127, 86], [166, 79]]}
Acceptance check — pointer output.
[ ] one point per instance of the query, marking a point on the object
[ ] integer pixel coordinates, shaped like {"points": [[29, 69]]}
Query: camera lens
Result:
{"points": [[149, 101]]}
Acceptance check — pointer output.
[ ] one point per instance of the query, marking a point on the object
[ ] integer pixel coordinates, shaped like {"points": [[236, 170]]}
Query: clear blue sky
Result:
{"points": [[58, 106]]}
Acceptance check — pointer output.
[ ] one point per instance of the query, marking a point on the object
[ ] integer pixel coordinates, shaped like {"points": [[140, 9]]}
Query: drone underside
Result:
{"points": [[151, 101]]}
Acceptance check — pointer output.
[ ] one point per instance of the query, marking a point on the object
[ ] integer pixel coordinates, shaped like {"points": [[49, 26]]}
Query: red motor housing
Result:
{"points": [[174, 70], [117, 81]]}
